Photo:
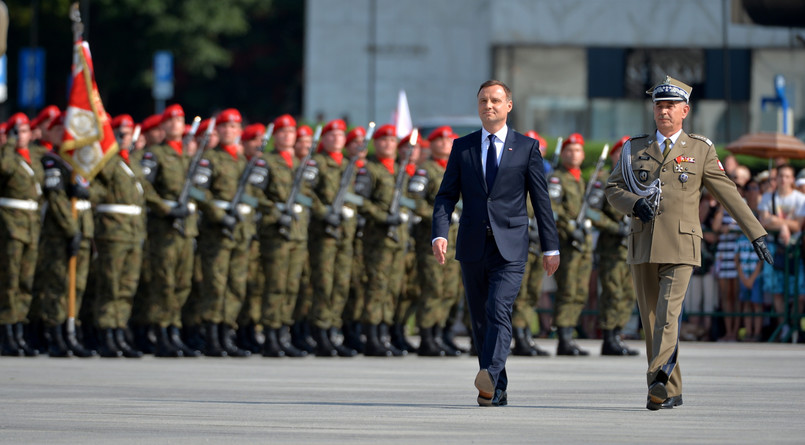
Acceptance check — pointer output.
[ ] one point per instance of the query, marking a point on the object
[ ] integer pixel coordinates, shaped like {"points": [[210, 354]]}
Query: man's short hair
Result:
{"points": [[491, 83], [789, 167]]}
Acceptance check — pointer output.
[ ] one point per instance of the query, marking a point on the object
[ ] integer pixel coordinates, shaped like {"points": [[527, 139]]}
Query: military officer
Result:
{"points": [[566, 189], [20, 197], [617, 298], [172, 229], [332, 232], [283, 232], [386, 234], [224, 236], [658, 182]]}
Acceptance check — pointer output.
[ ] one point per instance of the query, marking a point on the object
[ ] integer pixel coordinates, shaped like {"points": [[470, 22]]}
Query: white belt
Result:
{"points": [[190, 205], [21, 204], [122, 209], [243, 209], [82, 205]]}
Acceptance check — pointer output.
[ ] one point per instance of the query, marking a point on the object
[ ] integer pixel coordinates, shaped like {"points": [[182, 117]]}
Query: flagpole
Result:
{"points": [[78, 29]]}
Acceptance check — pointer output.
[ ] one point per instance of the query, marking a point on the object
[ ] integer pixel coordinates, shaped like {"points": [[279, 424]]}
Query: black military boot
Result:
{"points": [[438, 337], [175, 335], [385, 338], [522, 346], [448, 339], [619, 339], [228, 342], [398, 338], [530, 337], [324, 348], [164, 346], [301, 338], [144, 338], [56, 345], [247, 338], [568, 346], [8, 342], [124, 346], [374, 347], [336, 339], [271, 344], [352, 337], [427, 345], [75, 346], [193, 337], [19, 336], [106, 344], [212, 346], [284, 337], [36, 336]]}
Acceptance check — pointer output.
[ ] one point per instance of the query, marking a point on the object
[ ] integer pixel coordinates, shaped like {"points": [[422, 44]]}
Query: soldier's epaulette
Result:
{"points": [[701, 138]]}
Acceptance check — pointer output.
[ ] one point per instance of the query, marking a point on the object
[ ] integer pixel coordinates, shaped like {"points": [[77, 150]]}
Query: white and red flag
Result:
{"points": [[88, 141]]}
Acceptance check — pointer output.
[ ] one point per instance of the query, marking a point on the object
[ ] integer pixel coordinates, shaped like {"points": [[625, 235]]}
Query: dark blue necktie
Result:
{"points": [[491, 163]]}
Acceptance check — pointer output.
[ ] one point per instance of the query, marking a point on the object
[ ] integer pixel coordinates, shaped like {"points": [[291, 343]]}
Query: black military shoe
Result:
{"points": [[398, 338], [164, 346], [212, 343], [427, 345], [568, 346], [107, 347], [619, 339], [337, 340], [74, 345], [448, 339], [522, 346], [385, 338], [374, 347], [284, 337], [124, 346], [671, 402], [144, 338], [247, 338], [301, 338], [352, 337], [19, 336], [192, 337], [271, 344], [324, 348], [175, 336], [8, 342], [228, 342], [438, 338], [657, 394], [56, 345], [610, 346]]}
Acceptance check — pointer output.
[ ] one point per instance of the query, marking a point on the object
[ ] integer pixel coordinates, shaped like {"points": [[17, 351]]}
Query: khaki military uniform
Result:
{"points": [[119, 237], [170, 251], [20, 226], [224, 257], [526, 301], [663, 252], [573, 277], [330, 256], [51, 288]]}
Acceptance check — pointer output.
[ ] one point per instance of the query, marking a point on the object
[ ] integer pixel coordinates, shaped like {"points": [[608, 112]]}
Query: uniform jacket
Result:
{"points": [[120, 183], [20, 180], [567, 197], [503, 208], [378, 203], [675, 234], [277, 191], [166, 170]]}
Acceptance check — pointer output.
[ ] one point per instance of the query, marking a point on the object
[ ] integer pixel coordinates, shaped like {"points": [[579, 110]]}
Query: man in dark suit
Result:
{"points": [[492, 243]]}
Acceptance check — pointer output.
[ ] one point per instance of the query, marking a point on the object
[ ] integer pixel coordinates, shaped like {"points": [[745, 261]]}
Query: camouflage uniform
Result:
{"points": [[20, 227], [526, 300]]}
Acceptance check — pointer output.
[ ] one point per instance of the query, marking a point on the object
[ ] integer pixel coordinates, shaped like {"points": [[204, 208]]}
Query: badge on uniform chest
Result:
{"points": [[683, 178], [643, 175], [679, 168]]}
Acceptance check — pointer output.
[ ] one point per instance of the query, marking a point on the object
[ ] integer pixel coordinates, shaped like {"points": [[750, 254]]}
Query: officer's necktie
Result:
{"points": [[491, 163], [667, 148]]}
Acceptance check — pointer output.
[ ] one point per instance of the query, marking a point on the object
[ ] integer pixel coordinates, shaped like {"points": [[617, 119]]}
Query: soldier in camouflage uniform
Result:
{"points": [[617, 299], [332, 232], [439, 284], [566, 190], [63, 237], [170, 249], [224, 236], [20, 196], [282, 235], [386, 235], [119, 237]]}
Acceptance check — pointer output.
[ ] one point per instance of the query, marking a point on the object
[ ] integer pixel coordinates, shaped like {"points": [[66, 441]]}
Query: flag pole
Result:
{"points": [[78, 30]]}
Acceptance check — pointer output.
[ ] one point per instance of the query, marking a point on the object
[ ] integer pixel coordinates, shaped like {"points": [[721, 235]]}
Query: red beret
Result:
{"points": [[534, 135], [172, 111], [58, 120], [202, 127], [49, 112], [151, 122], [424, 143], [286, 120], [336, 124], [253, 131], [442, 132], [123, 120], [574, 138], [355, 133], [385, 130], [228, 115], [304, 130], [17, 119], [619, 144]]}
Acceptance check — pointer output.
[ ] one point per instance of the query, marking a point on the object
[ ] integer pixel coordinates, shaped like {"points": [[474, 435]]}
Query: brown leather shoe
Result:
{"points": [[485, 386]]}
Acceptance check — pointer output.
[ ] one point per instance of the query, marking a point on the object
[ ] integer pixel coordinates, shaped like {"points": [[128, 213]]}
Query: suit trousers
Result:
{"points": [[661, 292], [492, 284]]}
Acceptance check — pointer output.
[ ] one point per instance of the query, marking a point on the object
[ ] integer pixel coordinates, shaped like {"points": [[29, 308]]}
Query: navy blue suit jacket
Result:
{"points": [[503, 208]]}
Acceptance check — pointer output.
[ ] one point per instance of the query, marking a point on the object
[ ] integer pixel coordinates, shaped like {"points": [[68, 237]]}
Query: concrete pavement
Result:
{"points": [[733, 393]]}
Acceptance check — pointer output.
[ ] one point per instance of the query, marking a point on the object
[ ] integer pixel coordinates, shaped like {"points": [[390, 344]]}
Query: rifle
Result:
{"points": [[184, 195], [134, 136], [394, 209], [556, 153], [343, 194], [294, 196], [244, 181], [579, 222]]}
